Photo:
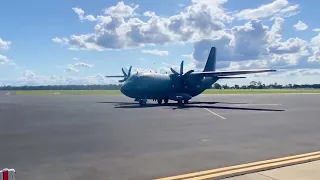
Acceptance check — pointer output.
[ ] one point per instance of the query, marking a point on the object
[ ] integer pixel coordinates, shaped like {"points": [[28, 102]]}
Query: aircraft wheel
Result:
{"points": [[186, 101], [159, 101], [180, 102], [142, 102], [166, 101]]}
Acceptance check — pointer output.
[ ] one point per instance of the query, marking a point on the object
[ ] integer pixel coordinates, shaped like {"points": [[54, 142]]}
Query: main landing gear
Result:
{"points": [[143, 102], [164, 100], [181, 101]]}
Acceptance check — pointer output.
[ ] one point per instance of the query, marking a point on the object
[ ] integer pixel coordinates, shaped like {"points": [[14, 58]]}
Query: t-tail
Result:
{"points": [[211, 61]]}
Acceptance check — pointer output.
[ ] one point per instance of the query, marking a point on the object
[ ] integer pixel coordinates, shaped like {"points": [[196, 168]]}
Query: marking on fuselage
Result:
{"points": [[214, 113]]}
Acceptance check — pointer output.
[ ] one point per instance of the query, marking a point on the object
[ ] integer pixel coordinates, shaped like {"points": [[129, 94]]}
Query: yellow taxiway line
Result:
{"points": [[247, 168]]}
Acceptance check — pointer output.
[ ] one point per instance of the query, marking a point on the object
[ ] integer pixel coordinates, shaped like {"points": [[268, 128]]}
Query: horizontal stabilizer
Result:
{"points": [[228, 77], [230, 73]]}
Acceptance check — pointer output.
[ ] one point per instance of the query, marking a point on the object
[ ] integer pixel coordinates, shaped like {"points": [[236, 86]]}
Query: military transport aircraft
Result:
{"points": [[178, 86]]}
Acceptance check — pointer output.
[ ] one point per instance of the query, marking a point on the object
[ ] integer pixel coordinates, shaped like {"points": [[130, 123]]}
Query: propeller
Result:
{"points": [[182, 76], [181, 71], [126, 76]]}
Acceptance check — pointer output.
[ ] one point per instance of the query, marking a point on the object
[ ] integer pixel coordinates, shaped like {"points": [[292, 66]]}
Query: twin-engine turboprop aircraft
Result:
{"points": [[178, 86]]}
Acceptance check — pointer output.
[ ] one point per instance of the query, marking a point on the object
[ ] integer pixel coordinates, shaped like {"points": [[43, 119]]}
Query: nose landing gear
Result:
{"points": [[142, 102]]}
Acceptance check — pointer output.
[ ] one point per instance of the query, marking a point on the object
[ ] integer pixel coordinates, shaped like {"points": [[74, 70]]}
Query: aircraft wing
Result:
{"points": [[230, 77], [230, 73], [115, 76]]}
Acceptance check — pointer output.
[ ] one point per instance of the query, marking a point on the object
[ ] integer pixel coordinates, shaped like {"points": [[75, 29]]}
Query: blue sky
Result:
{"points": [[78, 42]]}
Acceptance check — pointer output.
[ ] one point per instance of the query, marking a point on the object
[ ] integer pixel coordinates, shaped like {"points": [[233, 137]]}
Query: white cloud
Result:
{"points": [[156, 52], [81, 15], [28, 74], [300, 26], [74, 67], [205, 23], [316, 29], [289, 11], [277, 7], [315, 58], [119, 27], [70, 68], [5, 60], [4, 45], [82, 64], [292, 45], [121, 10]]}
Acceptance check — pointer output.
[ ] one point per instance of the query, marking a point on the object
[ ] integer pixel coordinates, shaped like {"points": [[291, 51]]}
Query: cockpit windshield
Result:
{"points": [[133, 77]]}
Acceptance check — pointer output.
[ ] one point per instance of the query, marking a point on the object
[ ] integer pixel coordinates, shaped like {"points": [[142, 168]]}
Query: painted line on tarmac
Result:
{"points": [[214, 113], [243, 169]]}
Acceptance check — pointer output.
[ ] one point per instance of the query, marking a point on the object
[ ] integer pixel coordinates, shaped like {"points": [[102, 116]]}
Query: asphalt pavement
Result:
{"points": [[111, 137]]}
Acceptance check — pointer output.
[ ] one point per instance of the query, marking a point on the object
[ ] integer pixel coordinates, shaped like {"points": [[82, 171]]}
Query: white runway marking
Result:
{"points": [[214, 113]]}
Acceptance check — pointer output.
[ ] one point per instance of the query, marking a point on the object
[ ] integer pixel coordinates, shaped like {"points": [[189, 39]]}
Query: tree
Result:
{"points": [[217, 86]]}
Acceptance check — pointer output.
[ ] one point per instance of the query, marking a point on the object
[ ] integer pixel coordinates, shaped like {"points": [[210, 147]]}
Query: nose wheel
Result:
{"points": [[142, 102], [159, 101]]}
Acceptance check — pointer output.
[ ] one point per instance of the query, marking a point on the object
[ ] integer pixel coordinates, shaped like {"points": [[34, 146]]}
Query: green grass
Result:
{"points": [[209, 91]]}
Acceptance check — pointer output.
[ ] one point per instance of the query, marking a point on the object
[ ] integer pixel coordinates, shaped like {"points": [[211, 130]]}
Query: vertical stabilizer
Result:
{"points": [[211, 61]]}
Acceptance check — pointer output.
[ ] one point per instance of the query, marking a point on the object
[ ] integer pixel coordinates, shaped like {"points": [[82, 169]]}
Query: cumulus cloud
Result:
{"points": [[4, 45], [121, 10], [156, 52], [300, 26], [204, 23], [121, 28]]}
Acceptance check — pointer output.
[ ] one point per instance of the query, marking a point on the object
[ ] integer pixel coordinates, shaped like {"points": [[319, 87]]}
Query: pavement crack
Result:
{"points": [[267, 176]]}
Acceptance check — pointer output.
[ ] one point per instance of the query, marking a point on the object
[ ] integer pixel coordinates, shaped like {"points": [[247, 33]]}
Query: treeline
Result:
{"points": [[259, 85], [252, 85], [64, 87]]}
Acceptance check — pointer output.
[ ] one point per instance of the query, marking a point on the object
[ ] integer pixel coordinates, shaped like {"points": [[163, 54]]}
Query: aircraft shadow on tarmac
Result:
{"points": [[194, 104]]}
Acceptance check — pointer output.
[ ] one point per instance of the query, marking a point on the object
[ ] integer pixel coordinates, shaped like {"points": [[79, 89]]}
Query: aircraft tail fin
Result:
{"points": [[211, 61]]}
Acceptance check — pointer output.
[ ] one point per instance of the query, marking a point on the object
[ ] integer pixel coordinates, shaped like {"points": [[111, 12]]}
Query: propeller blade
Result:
{"points": [[129, 72], [122, 80], [174, 72], [181, 68], [188, 73], [124, 73]]}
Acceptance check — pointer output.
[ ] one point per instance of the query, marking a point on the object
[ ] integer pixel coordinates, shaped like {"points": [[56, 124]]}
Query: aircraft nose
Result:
{"points": [[126, 89]]}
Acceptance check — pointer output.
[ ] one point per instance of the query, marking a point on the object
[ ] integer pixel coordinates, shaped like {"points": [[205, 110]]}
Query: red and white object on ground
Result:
{"points": [[7, 174]]}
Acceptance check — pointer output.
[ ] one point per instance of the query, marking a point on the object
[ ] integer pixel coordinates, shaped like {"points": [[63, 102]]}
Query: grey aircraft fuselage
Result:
{"points": [[161, 86]]}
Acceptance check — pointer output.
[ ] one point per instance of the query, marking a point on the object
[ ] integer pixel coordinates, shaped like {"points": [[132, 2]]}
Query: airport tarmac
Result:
{"points": [[110, 137]]}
